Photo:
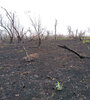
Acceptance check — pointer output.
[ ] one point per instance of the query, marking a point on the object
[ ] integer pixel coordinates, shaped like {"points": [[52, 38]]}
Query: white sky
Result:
{"points": [[75, 13]]}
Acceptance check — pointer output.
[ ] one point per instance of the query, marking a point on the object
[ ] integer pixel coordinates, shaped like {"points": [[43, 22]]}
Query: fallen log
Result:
{"points": [[65, 47]]}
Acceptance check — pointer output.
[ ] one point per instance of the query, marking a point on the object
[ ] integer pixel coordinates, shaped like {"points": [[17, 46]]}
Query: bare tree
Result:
{"points": [[1, 31], [76, 33], [55, 26], [8, 27], [47, 36], [38, 29], [70, 32], [13, 29], [81, 34], [88, 30]]}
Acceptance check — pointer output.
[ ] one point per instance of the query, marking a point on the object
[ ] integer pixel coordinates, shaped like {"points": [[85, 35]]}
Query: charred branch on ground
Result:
{"points": [[76, 53]]}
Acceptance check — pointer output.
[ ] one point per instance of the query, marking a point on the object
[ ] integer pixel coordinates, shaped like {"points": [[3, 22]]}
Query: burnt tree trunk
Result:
{"points": [[19, 39], [39, 42], [11, 40]]}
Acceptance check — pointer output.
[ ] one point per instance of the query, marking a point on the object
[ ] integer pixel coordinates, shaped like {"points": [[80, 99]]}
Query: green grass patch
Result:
{"points": [[86, 41], [88, 48]]}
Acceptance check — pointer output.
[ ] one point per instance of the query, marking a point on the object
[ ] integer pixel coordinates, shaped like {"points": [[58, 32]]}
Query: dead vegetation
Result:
{"points": [[31, 65], [31, 57], [22, 80]]}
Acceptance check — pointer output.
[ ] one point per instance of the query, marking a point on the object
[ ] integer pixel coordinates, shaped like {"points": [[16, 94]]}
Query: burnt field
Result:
{"points": [[36, 80]]}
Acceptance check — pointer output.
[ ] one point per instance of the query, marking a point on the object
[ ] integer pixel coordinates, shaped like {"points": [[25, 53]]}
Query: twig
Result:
{"points": [[28, 57]]}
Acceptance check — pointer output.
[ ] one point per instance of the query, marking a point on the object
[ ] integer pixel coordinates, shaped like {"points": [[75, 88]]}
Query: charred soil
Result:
{"points": [[36, 80]]}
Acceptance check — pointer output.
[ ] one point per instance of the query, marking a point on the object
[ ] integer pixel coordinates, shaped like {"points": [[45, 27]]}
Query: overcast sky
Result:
{"points": [[75, 13]]}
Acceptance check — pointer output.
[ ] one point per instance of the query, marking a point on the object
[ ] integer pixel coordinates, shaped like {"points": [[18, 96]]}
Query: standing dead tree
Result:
{"points": [[75, 34], [1, 31], [55, 26], [70, 32], [13, 29], [81, 35], [7, 27], [38, 29]]}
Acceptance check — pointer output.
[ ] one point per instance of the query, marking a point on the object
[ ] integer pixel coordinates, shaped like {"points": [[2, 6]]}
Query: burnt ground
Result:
{"points": [[20, 80]]}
